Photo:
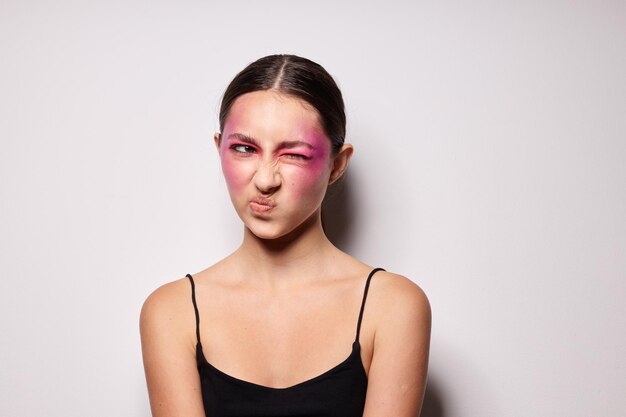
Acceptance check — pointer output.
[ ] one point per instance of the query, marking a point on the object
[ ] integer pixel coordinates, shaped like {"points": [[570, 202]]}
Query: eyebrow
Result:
{"points": [[287, 144], [243, 138]]}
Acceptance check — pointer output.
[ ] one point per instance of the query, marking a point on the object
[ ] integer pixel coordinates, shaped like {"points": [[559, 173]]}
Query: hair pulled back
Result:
{"points": [[298, 77]]}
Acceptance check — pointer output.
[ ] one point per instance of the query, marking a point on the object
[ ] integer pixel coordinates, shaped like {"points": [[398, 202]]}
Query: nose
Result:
{"points": [[267, 178]]}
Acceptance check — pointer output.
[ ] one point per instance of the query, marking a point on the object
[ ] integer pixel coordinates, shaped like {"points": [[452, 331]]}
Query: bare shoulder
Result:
{"points": [[400, 340], [168, 347], [169, 305], [397, 298], [395, 289]]}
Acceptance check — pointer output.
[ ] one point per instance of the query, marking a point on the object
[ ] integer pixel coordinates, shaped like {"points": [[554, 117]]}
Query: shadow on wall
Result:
{"points": [[433, 400], [339, 213]]}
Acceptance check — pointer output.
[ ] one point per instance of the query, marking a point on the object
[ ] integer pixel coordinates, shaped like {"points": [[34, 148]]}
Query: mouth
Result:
{"points": [[261, 205]]}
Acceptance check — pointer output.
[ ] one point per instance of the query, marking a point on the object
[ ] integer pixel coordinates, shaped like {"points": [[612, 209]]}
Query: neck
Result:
{"points": [[294, 255]]}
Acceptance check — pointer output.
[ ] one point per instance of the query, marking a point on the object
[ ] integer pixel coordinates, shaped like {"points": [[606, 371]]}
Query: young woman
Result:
{"points": [[287, 325]]}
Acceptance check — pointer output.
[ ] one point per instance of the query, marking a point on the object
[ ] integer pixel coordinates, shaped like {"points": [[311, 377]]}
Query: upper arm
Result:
{"points": [[168, 349], [397, 373]]}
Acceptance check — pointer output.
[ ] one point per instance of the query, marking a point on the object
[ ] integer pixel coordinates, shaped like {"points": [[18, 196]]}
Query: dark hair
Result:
{"points": [[298, 77]]}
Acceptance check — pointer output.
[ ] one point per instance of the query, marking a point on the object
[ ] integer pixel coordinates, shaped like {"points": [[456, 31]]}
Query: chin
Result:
{"points": [[271, 230], [268, 231]]}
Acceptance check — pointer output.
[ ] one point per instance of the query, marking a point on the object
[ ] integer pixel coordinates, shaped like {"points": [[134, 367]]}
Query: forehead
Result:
{"points": [[272, 115]]}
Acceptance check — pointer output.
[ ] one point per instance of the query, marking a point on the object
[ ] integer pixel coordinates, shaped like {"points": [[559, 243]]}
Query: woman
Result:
{"points": [[281, 327]]}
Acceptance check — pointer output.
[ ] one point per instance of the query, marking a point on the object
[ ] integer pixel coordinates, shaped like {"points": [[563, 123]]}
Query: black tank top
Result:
{"points": [[338, 392]]}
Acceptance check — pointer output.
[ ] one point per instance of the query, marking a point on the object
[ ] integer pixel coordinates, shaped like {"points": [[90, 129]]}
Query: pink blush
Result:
{"points": [[319, 153], [233, 174], [311, 175]]}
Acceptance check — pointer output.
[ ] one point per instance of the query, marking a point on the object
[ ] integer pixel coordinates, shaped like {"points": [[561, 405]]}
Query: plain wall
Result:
{"points": [[490, 168]]}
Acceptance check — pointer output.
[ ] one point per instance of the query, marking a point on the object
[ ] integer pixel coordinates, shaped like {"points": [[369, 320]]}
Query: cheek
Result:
{"points": [[234, 174], [307, 182]]}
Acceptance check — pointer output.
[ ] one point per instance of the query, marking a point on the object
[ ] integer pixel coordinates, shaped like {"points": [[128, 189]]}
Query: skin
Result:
{"points": [[286, 295], [288, 164]]}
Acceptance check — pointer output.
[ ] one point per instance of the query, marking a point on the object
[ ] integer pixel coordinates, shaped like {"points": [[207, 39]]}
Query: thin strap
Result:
{"points": [[195, 307], [367, 286]]}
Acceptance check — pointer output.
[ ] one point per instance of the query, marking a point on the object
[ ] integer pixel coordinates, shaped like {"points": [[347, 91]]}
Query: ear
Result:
{"points": [[340, 162], [217, 138]]}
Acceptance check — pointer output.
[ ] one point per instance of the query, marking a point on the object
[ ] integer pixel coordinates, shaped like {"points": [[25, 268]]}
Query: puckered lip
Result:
{"points": [[262, 201], [261, 204]]}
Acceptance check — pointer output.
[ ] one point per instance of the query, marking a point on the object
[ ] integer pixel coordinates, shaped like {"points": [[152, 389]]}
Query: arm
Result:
{"points": [[168, 348], [397, 373]]}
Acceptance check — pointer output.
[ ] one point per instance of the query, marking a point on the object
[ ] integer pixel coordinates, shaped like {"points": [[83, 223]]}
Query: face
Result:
{"points": [[276, 160]]}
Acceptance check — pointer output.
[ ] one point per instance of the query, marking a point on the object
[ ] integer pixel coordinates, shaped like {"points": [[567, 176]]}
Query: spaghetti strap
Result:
{"points": [[195, 307], [367, 286]]}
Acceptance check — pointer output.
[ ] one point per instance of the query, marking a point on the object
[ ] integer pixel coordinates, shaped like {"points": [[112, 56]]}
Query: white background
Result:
{"points": [[490, 167]]}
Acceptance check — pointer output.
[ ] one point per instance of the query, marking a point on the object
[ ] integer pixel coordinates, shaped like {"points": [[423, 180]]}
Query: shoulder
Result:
{"points": [[400, 341], [397, 300], [395, 289], [168, 297], [168, 346], [167, 306]]}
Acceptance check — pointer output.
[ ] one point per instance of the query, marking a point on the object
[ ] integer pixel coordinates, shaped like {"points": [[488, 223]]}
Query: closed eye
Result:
{"points": [[296, 156]]}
